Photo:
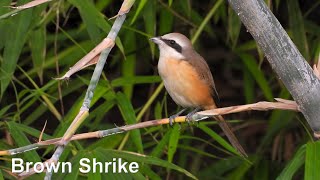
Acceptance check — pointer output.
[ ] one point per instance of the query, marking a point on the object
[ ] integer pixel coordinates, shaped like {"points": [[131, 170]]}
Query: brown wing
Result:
{"points": [[204, 71], [197, 61]]}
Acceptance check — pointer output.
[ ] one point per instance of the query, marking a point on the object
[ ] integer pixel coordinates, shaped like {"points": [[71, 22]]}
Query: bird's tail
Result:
{"points": [[228, 132]]}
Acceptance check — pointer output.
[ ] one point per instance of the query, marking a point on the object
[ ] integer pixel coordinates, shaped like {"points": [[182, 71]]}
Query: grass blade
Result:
{"points": [[234, 26], [218, 138], [21, 140], [94, 19], [37, 44], [296, 23], [142, 3], [129, 65], [206, 20], [312, 164], [149, 15], [1, 175], [292, 167], [258, 75], [135, 157], [129, 116], [173, 141], [157, 151], [19, 26]]}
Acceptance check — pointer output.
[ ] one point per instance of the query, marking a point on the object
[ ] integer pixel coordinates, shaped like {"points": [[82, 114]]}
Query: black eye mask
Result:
{"points": [[172, 44]]}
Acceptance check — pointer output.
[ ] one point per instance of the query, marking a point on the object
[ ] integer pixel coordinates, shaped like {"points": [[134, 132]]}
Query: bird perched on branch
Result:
{"points": [[188, 80]]}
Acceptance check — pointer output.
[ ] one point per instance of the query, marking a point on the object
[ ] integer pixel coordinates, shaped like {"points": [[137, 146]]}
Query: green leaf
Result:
{"points": [[75, 168], [129, 116], [135, 157], [296, 23], [234, 26], [258, 75], [94, 175], [101, 91], [1, 175], [129, 65], [3, 4], [147, 171], [138, 11], [94, 20], [218, 138], [165, 22], [312, 28], [262, 171], [33, 132], [67, 57], [239, 173], [197, 151], [37, 44], [4, 23], [220, 167], [248, 86], [158, 150], [173, 141], [44, 96], [312, 161], [149, 15], [105, 156], [98, 114], [247, 46], [206, 20], [89, 14], [21, 140], [5, 109], [295, 163], [108, 142], [19, 27], [40, 110]]}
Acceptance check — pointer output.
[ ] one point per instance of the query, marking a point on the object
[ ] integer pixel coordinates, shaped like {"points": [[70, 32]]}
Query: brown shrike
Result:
{"points": [[188, 80]]}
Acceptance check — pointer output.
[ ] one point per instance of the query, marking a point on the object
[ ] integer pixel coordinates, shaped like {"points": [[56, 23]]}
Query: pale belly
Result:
{"points": [[184, 85]]}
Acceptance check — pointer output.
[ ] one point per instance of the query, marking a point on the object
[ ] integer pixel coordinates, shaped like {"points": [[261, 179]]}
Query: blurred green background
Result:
{"points": [[42, 43]]}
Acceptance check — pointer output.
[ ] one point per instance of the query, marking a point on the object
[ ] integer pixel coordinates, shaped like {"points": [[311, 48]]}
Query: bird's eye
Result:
{"points": [[172, 42]]}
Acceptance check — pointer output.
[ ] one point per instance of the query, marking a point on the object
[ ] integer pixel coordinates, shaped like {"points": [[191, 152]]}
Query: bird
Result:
{"points": [[188, 80]]}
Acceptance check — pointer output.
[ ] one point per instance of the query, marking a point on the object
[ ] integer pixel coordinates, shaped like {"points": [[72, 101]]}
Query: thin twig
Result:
{"points": [[18, 9], [31, 4], [260, 106]]}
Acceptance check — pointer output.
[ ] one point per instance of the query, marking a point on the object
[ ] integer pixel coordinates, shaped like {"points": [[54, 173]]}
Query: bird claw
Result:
{"points": [[172, 119], [189, 117]]}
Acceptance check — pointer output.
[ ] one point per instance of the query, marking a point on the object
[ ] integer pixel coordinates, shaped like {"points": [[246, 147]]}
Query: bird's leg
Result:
{"points": [[171, 118], [189, 116]]}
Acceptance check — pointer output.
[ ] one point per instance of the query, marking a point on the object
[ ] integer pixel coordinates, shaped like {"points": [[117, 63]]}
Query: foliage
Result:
{"points": [[41, 43]]}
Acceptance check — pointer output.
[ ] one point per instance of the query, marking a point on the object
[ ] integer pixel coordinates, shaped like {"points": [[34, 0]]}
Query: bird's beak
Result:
{"points": [[156, 40]]}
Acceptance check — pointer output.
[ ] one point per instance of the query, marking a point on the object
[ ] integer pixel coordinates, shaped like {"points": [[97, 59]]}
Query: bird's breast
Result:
{"points": [[184, 84]]}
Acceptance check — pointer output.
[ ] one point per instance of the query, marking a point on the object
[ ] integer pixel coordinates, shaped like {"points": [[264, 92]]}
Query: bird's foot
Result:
{"points": [[173, 117], [189, 117]]}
